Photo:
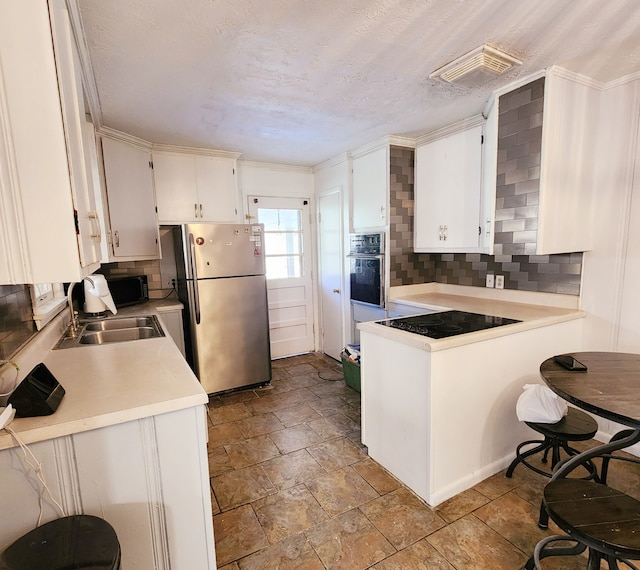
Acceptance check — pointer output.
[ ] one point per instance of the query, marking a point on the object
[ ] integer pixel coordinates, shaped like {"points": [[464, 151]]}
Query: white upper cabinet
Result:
{"points": [[48, 216], [448, 192], [195, 187], [129, 198], [370, 189], [569, 156]]}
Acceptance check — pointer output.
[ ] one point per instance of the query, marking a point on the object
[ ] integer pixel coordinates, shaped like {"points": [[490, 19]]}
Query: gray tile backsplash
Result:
{"points": [[518, 172], [559, 273], [16, 318]]}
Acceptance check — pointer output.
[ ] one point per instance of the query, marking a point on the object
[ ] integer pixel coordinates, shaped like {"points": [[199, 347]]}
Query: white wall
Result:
{"points": [[610, 299], [328, 177]]}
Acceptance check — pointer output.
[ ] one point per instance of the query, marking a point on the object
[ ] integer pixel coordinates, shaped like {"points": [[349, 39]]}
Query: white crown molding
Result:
{"points": [[450, 129], [195, 150], [331, 162], [389, 140], [623, 80], [519, 83], [124, 137], [276, 166], [575, 77]]}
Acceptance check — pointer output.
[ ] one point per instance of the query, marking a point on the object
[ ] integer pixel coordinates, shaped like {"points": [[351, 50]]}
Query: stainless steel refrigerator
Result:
{"points": [[222, 283]]}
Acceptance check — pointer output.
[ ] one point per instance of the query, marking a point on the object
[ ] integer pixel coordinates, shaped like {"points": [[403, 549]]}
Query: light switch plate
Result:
{"points": [[490, 280]]}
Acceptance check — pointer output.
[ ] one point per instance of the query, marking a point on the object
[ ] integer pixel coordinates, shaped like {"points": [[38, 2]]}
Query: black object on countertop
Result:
{"points": [[39, 394], [447, 323]]}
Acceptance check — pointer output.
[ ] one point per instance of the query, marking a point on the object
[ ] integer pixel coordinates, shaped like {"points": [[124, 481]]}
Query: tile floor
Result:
{"points": [[292, 487]]}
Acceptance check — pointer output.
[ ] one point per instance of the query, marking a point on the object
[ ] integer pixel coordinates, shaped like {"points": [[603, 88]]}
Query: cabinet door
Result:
{"points": [[370, 181], [175, 181], [448, 193], [216, 185], [132, 215], [78, 137]]}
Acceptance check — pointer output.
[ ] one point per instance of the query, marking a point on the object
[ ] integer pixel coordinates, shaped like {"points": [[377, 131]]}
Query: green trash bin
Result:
{"points": [[351, 372]]}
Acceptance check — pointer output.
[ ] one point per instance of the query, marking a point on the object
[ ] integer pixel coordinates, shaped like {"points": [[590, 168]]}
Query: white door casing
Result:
{"points": [[330, 256], [287, 251]]}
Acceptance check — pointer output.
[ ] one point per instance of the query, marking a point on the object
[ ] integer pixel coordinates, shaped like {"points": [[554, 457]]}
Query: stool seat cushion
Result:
{"points": [[78, 541], [596, 515]]}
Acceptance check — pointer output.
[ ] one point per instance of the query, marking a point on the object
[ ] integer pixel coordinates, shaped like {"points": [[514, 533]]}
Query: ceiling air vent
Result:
{"points": [[476, 67]]}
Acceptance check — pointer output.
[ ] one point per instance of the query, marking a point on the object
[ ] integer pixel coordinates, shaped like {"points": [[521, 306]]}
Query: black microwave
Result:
{"points": [[128, 290]]}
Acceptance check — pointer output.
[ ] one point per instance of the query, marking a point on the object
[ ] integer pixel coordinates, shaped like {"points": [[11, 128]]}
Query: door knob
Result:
{"points": [[336, 290]]}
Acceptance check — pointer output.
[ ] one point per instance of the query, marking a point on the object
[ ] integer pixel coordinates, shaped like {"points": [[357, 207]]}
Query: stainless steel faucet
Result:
{"points": [[72, 331]]}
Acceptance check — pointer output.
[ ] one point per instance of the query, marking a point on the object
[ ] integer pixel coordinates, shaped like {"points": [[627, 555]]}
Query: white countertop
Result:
{"points": [[532, 314], [108, 384]]}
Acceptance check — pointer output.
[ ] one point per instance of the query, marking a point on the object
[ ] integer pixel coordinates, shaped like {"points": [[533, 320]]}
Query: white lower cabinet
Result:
{"points": [[448, 192], [129, 202], [174, 326], [148, 478]]}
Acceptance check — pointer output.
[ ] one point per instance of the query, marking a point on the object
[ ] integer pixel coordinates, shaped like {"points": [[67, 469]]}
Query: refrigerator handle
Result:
{"points": [[194, 275]]}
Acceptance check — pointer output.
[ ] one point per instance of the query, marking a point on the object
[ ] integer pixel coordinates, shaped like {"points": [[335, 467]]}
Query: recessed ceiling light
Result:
{"points": [[476, 67]]}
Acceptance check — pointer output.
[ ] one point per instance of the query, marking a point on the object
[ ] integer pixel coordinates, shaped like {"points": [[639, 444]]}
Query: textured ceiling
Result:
{"points": [[301, 81]]}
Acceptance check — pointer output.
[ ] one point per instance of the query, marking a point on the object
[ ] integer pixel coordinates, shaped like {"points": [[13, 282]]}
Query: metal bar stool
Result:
{"points": [[594, 516], [575, 426]]}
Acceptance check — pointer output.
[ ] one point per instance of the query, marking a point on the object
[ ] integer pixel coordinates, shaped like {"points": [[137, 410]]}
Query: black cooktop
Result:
{"points": [[447, 323]]}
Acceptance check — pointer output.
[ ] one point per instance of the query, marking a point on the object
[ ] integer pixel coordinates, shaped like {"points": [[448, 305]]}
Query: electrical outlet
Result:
{"points": [[499, 281], [490, 280]]}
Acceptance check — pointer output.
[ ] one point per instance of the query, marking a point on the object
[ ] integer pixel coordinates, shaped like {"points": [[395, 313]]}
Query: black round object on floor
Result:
{"points": [[77, 541]]}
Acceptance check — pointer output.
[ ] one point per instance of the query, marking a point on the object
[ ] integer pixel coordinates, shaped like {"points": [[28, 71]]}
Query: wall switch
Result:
{"points": [[499, 281], [490, 280]]}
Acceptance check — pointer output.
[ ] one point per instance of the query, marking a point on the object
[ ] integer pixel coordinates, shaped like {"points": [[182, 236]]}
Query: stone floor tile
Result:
{"points": [[300, 369], [232, 566], [251, 451], [294, 438], [470, 544], [329, 388], [377, 476], [223, 434], [215, 508], [294, 553], [460, 505], [496, 485], [419, 556], [241, 486], [333, 426], [292, 469], [237, 534], [349, 542], [297, 415], [228, 413], [265, 404], [258, 425], [330, 405], [402, 518], [288, 512], [219, 461], [336, 453], [298, 396], [341, 490]]}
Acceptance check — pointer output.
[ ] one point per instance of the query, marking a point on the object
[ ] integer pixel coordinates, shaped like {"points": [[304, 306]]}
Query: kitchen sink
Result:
{"points": [[122, 323], [120, 329]]}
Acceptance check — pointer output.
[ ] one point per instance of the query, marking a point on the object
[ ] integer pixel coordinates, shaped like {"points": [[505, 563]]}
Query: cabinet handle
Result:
{"points": [[440, 233], [201, 211], [116, 238], [195, 210], [93, 215], [382, 212], [445, 233]]}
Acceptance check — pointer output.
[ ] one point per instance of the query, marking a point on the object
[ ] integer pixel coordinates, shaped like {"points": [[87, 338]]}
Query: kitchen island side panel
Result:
{"points": [[395, 384], [444, 421]]}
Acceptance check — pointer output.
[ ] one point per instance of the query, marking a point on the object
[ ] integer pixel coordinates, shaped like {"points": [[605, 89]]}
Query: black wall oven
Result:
{"points": [[366, 268]]}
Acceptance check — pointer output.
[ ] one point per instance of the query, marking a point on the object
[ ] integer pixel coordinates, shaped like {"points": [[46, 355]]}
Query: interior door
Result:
{"points": [[331, 273], [287, 254]]}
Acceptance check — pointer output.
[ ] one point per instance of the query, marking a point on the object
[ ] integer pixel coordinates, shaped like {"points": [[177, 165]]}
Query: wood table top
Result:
{"points": [[609, 388]]}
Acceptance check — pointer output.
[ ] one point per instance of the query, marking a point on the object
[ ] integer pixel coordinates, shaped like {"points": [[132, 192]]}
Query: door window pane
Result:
{"points": [[283, 244]]}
